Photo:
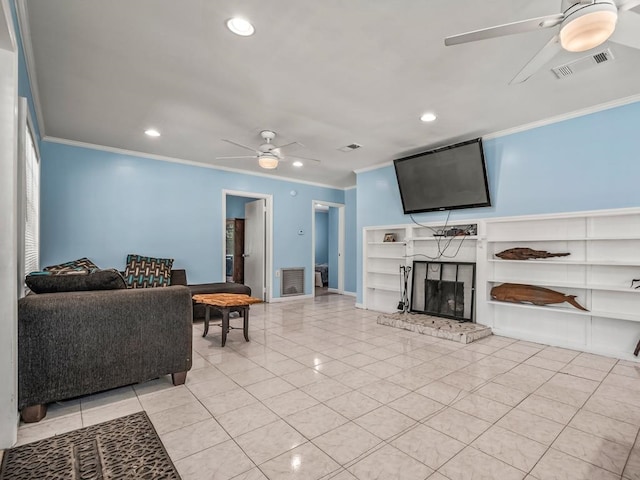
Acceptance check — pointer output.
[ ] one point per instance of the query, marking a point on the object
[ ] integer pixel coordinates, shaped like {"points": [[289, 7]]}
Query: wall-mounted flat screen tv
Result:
{"points": [[446, 178]]}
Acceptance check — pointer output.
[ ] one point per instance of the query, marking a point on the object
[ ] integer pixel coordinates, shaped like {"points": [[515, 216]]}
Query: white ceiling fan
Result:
{"points": [[268, 154], [584, 24]]}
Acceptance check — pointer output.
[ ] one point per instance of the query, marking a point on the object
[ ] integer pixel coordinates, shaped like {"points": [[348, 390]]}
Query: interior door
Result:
{"points": [[254, 247]]}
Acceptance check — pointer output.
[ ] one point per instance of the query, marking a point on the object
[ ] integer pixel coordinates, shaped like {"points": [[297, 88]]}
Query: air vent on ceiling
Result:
{"points": [[349, 148], [583, 63]]}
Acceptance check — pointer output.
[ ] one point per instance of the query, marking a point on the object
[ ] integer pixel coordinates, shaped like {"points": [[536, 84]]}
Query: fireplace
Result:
{"points": [[444, 289]]}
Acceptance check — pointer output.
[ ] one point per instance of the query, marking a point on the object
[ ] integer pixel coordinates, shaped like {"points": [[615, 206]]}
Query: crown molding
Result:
{"points": [[541, 123], [565, 116], [152, 156], [27, 48]]}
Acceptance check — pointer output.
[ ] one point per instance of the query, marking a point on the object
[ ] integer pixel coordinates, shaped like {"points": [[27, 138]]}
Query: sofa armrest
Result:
{"points": [[220, 287], [76, 343]]}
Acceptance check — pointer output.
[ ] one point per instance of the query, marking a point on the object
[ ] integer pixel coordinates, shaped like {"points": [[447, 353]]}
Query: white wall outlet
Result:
{"points": [[278, 273]]}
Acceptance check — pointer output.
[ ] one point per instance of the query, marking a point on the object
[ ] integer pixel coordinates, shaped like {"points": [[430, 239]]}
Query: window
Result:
{"points": [[29, 196]]}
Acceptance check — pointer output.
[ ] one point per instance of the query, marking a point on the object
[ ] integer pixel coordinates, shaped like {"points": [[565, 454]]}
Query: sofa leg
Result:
{"points": [[179, 378], [34, 413]]}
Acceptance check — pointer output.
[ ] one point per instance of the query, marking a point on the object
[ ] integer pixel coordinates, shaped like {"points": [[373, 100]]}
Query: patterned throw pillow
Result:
{"points": [[79, 265], [143, 272]]}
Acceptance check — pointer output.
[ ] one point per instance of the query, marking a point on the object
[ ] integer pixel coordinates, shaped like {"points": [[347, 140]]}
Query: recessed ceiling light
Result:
{"points": [[152, 132], [297, 163], [428, 117], [240, 26]]}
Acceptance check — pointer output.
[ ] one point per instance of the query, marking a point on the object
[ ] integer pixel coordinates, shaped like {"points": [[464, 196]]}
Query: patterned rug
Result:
{"points": [[124, 448]]}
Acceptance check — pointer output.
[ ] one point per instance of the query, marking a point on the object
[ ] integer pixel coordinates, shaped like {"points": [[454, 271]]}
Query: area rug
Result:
{"points": [[124, 448]]}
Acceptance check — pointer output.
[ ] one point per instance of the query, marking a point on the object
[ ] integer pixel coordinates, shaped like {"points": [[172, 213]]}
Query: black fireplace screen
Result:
{"points": [[444, 289]]}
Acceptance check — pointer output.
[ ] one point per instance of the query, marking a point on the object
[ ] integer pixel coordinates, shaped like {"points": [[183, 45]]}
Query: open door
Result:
{"points": [[254, 247]]}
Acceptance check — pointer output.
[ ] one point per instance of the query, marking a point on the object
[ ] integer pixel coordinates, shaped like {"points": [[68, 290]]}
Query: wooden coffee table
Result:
{"points": [[226, 303]]}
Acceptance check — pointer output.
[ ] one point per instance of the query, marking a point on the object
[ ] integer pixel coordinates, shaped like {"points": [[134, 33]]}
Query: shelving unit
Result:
{"points": [[382, 260], [604, 249]]}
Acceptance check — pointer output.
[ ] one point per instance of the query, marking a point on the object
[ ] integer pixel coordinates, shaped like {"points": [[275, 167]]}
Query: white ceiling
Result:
{"points": [[324, 73]]}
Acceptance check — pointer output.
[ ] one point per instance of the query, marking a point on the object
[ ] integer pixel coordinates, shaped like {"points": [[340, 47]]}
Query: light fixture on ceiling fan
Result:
{"points": [[268, 161], [269, 155], [584, 25]]}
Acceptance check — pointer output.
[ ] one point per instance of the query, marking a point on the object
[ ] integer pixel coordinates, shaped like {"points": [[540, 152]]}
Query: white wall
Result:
{"points": [[8, 232]]}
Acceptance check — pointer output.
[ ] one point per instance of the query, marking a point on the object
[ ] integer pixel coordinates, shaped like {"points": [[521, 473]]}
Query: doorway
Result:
{"points": [[327, 247], [247, 241]]}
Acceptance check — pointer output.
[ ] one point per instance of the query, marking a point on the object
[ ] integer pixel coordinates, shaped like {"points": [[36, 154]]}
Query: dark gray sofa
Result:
{"points": [[77, 343]]}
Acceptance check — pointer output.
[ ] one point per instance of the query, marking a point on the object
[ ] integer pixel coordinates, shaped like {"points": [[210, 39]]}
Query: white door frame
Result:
{"points": [[340, 207], [268, 268]]}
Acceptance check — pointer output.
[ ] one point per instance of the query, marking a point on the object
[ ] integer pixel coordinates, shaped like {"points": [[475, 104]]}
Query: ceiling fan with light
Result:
{"points": [[268, 154], [584, 24]]}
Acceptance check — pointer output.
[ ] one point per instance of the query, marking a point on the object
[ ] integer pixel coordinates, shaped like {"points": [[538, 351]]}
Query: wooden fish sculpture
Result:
{"points": [[520, 293], [522, 253]]}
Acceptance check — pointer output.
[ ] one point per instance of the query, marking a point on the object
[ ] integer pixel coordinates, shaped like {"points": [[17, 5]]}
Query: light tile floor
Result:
{"points": [[323, 392]]}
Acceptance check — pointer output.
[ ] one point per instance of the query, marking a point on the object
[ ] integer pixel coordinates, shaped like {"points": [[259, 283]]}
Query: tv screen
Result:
{"points": [[444, 179]]}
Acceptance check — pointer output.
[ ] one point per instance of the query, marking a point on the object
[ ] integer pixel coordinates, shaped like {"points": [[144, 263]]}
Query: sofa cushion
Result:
{"points": [[73, 266], [76, 281], [144, 272]]}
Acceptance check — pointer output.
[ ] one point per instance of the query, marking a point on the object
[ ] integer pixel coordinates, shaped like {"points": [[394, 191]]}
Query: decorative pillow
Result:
{"points": [[144, 272], [75, 281], [73, 266]]}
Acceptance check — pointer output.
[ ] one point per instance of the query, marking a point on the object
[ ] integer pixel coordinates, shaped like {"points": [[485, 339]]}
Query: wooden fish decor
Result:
{"points": [[520, 293], [522, 253]]}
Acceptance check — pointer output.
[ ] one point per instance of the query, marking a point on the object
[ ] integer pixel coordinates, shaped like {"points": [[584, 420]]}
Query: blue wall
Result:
{"points": [[333, 226], [350, 240], [104, 205], [586, 163], [235, 205], [322, 237]]}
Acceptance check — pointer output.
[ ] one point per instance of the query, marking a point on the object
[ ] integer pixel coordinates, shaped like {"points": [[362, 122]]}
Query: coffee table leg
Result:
{"points": [[206, 320], [246, 323], [225, 324]]}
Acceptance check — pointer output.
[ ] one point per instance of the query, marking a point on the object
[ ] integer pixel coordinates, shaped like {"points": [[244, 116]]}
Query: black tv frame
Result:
{"points": [[447, 207]]}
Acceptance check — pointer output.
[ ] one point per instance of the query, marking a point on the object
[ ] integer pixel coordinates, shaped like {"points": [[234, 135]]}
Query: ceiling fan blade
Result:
{"points": [[240, 145], [279, 147], [537, 62], [628, 5], [305, 158], [626, 32], [506, 29], [241, 156]]}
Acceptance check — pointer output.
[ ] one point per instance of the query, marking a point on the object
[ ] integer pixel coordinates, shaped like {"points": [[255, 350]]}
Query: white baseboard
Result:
{"points": [[292, 298], [360, 305], [334, 290], [350, 294]]}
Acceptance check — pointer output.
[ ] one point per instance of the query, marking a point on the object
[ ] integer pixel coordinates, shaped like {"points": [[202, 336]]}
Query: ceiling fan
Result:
{"points": [[584, 24], [268, 154]]}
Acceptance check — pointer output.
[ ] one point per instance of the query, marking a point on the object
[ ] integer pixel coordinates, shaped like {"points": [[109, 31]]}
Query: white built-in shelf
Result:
{"points": [[382, 272], [560, 284], [443, 238], [612, 263], [386, 288], [386, 243], [563, 239], [388, 257], [570, 310]]}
